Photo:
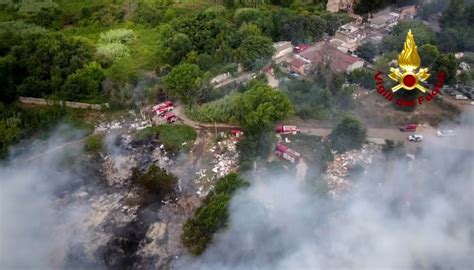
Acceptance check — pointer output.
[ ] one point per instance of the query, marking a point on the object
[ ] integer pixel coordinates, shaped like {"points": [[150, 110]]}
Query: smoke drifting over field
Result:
{"points": [[35, 233], [394, 218]]}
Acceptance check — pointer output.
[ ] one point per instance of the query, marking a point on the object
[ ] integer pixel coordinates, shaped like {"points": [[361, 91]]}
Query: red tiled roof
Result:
{"points": [[340, 61], [297, 63]]}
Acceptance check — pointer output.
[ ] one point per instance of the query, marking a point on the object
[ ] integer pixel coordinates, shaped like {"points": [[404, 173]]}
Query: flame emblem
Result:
{"points": [[409, 61]]}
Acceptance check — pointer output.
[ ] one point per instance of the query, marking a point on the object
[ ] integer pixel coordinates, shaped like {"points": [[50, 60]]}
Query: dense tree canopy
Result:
{"points": [[42, 61], [185, 82], [367, 51], [423, 35], [212, 215], [349, 134], [260, 107]]}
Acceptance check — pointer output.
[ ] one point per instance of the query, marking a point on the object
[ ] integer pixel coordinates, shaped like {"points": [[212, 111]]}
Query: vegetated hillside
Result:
{"points": [[97, 51]]}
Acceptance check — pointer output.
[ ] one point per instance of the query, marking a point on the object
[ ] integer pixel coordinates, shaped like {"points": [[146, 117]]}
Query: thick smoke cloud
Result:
{"points": [[397, 216], [36, 229]]}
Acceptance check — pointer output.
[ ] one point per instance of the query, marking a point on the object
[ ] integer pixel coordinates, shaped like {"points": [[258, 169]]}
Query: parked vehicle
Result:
{"points": [[415, 138], [460, 97], [300, 48], [163, 105], [170, 117], [445, 133], [286, 153], [237, 133], [293, 75], [162, 111], [282, 129], [408, 128]]}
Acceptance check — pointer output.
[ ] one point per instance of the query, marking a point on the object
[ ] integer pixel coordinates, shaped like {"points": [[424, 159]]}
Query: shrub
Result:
{"points": [[108, 53], [94, 143], [213, 214], [221, 111], [172, 136], [117, 36], [156, 181], [147, 133]]}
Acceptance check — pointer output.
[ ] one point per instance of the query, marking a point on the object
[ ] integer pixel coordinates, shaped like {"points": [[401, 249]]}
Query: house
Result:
{"points": [[324, 52], [283, 49], [299, 65], [384, 20], [348, 37], [340, 5], [407, 12]]}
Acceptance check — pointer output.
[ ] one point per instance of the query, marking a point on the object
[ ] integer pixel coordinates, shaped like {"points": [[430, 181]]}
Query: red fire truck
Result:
{"points": [[170, 117], [282, 129], [162, 108], [286, 153]]}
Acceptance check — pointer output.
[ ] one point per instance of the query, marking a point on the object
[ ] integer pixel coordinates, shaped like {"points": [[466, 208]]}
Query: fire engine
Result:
{"points": [[162, 108], [286, 153], [170, 117], [282, 129]]}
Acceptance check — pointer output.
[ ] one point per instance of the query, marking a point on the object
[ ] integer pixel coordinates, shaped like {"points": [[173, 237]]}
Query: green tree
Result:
{"points": [[428, 54], [454, 15], [423, 35], [185, 82], [212, 215], [367, 51], [303, 28], [85, 84], [448, 64], [8, 79], [255, 51], [334, 21], [365, 6], [156, 181], [259, 108], [349, 134], [363, 77], [450, 40], [176, 48]]}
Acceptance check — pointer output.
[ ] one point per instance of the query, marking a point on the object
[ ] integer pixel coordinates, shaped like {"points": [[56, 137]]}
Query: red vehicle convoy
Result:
{"points": [[282, 129], [408, 128]]}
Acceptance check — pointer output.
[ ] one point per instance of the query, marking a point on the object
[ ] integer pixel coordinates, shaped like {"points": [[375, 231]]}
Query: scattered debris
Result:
{"points": [[337, 173], [225, 161]]}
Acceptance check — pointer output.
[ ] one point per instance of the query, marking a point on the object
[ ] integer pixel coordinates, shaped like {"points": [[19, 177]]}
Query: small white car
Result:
{"points": [[445, 133], [415, 138], [461, 97]]}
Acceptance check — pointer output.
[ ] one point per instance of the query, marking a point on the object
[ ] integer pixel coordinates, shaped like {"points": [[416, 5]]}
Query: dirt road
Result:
{"points": [[376, 135]]}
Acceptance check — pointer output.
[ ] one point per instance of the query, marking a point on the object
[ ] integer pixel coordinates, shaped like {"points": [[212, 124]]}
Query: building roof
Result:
{"points": [[383, 19], [297, 62], [340, 61]]}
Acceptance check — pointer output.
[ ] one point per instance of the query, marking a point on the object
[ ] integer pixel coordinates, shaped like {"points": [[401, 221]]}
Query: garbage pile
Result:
{"points": [[135, 122], [226, 157], [225, 161], [338, 171]]}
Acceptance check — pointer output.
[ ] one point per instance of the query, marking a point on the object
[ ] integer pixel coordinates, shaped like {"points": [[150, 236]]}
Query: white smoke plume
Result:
{"points": [[36, 228], [393, 218]]}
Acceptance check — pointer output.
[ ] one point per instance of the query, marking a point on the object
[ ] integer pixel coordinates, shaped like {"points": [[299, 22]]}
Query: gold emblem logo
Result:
{"points": [[409, 74]]}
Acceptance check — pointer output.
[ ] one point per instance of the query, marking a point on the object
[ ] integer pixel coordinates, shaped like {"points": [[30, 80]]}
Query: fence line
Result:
{"points": [[69, 104]]}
